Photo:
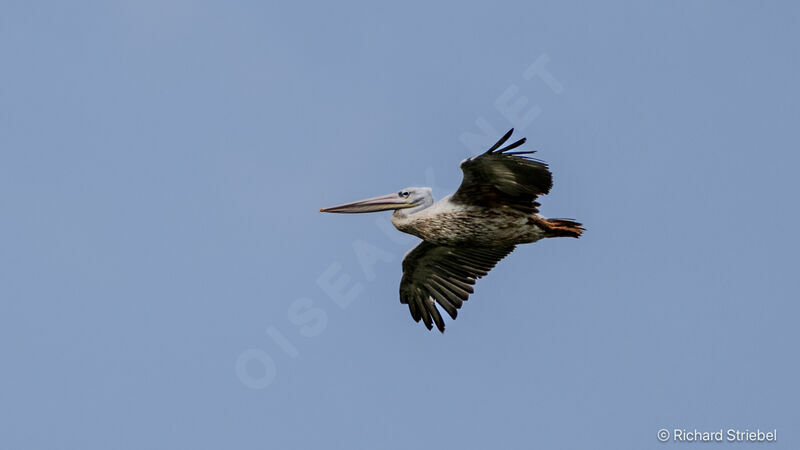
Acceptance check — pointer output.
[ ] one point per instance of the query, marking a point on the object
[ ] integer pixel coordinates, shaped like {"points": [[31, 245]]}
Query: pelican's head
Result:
{"points": [[410, 199]]}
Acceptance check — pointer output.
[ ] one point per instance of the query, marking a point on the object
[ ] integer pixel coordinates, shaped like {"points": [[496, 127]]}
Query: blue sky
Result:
{"points": [[167, 281]]}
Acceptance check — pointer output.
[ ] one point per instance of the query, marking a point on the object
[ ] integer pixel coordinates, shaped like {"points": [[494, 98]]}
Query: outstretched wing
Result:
{"points": [[500, 177], [444, 275]]}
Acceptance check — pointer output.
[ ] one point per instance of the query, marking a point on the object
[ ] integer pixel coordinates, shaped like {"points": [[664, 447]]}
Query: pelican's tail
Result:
{"points": [[563, 228]]}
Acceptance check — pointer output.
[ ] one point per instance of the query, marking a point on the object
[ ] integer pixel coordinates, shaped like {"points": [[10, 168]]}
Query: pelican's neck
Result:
{"points": [[403, 219]]}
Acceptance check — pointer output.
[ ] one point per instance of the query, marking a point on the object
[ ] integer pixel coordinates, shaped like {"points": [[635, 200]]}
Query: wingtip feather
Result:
{"points": [[501, 141], [512, 146]]}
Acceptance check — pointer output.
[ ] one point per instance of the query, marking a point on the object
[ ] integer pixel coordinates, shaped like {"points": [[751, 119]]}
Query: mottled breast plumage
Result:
{"points": [[446, 223]]}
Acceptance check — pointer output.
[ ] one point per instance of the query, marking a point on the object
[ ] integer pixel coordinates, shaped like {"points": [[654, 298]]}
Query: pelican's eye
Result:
{"points": [[403, 194]]}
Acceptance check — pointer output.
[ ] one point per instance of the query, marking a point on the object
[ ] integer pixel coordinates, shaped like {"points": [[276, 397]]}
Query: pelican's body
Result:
{"points": [[453, 224], [465, 234]]}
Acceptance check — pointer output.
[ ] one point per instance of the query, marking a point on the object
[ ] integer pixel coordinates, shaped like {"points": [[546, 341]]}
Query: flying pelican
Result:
{"points": [[466, 234]]}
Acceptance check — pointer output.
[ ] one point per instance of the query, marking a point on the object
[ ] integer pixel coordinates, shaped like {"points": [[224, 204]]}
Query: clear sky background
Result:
{"points": [[166, 277]]}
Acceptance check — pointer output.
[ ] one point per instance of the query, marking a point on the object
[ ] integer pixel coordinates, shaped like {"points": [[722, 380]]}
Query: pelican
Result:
{"points": [[466, 234]]}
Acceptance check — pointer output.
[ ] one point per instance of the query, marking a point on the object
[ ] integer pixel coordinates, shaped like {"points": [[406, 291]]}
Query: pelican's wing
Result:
{"points": [[500, 177], [444, 275]]}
